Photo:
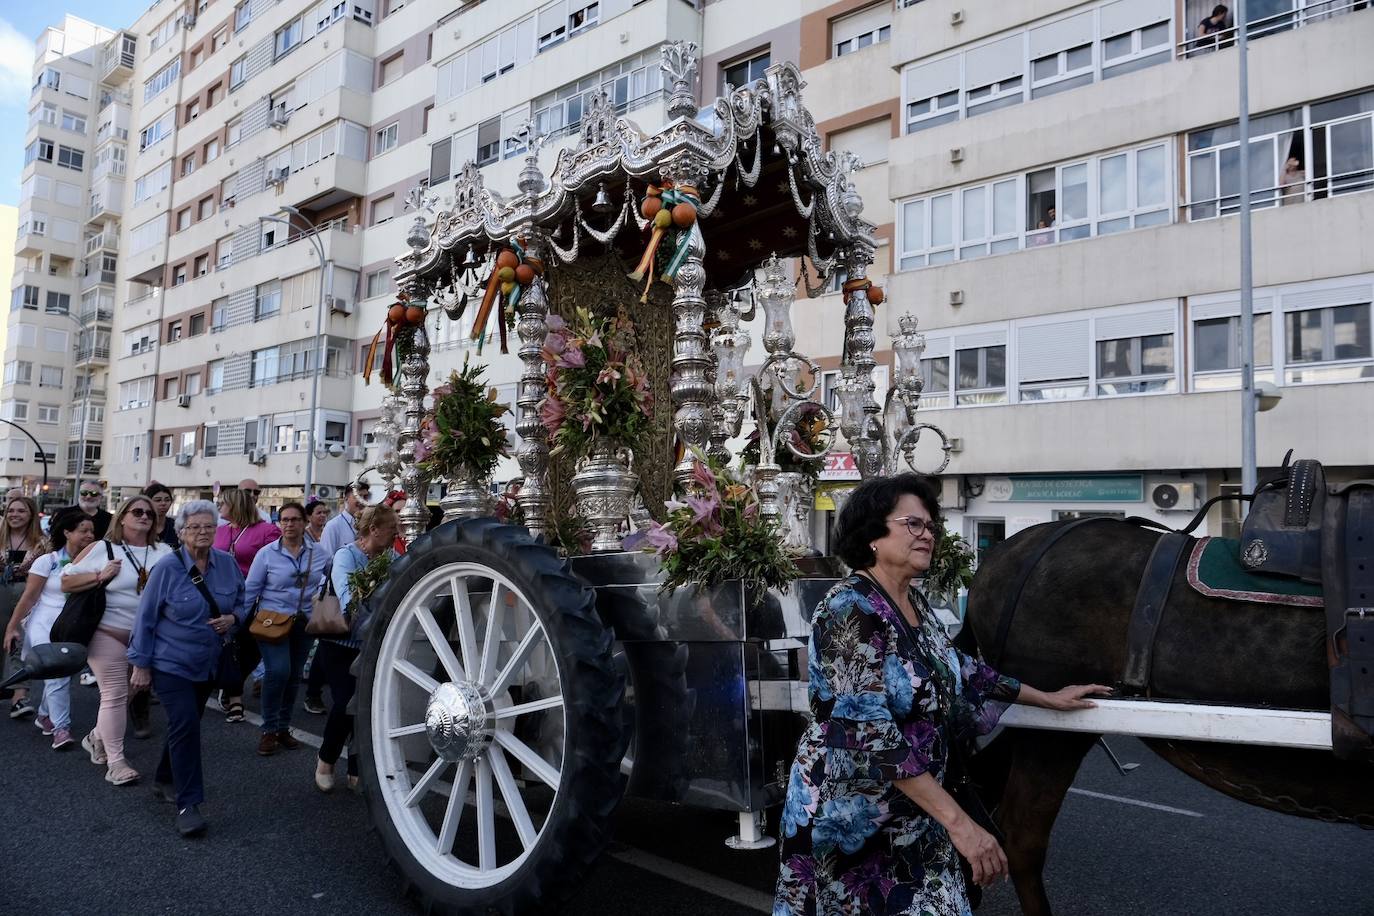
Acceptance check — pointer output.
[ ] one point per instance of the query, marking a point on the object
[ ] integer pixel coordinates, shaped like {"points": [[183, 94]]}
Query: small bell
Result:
{"points": [[602, 204]]}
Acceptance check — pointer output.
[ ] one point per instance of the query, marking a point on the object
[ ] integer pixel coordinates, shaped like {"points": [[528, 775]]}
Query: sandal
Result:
{"points": [[234, 713]]}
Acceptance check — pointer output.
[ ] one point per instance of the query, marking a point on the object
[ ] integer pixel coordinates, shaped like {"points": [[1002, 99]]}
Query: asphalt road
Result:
{"points": [[1148, 844]]}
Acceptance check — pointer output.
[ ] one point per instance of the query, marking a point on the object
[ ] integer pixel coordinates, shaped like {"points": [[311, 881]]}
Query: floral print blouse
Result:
{"points": [[885, 708]]}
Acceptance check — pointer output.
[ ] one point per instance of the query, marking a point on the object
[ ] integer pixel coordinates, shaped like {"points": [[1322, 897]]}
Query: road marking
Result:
{"points": [[1138, 803], [714, 885]]}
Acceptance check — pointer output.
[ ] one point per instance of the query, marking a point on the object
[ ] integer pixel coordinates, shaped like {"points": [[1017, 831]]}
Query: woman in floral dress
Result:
{"points": [[868, 826]]}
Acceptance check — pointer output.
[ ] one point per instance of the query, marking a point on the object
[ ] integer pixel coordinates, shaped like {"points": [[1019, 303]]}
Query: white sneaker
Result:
{"points": [[87, 679]]}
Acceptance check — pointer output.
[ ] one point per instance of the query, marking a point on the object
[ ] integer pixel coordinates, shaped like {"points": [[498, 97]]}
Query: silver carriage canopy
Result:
{"points": [[758, 158]]}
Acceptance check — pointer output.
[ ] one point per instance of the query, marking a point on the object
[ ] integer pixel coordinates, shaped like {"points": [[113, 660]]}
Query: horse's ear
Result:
{"points": [[1287, 459]]}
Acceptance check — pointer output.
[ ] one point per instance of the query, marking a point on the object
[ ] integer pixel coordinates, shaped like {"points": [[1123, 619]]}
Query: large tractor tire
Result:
{"points": [[490, 752]]}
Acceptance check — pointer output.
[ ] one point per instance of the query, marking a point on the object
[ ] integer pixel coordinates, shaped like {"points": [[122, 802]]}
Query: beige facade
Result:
{"points": [[1099, 346]]}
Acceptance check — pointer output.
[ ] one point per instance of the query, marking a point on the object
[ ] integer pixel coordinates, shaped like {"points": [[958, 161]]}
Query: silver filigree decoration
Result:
{"points": [[680, 66]]}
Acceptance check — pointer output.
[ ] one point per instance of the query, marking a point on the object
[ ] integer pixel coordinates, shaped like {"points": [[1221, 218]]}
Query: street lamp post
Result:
{"points": [[326, 281], [1248, 470]]}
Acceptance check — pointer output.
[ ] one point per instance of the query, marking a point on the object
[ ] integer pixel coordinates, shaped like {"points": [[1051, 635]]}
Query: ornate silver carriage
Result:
{"points": [[508, 697]]}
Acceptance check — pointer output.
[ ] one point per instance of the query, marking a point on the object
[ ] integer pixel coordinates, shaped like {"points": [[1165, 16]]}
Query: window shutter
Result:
{"points": [[1045, 352], [1137, 324], [1318, 298], [1226, 308], [998, 60], [967, 341], [464, 148], [860, 23], [867, 141], [932, 79], [1125, 15], [552, 17], [1062, 35]]}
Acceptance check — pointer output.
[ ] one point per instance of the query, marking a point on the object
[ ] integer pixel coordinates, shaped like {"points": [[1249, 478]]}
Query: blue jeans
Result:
{"points": [[184, 702], [284, 661]]}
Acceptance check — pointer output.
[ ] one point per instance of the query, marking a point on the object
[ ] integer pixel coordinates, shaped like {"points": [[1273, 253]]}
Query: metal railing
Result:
{"points": [[1268, 25], [1283, 194], [339, 224], [86, 316], [83, 354], [97, 278]]}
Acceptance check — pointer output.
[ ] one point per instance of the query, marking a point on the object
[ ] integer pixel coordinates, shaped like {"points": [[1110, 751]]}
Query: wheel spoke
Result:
{"points": [[527, 755], [486, 817], [491, 643], [515, 805], [457, 800], [441, 647], [401, 731], [418, 792], [520, 709], [517, 659], [407, 668], [467, 634]]}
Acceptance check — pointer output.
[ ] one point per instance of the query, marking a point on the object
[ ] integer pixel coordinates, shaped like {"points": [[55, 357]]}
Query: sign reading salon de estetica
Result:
{"points": [[1062, 488]]}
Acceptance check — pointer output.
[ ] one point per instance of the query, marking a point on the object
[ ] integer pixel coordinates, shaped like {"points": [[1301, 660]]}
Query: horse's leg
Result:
{"points": [[1043, 767]]}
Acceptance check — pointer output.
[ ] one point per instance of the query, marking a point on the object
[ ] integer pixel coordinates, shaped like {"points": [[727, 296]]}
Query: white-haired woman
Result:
{"points": [[132, 546], [192, 601]]}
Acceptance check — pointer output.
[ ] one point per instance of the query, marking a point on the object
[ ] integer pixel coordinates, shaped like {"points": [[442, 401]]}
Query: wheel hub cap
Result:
{"points": [[457, 721]]}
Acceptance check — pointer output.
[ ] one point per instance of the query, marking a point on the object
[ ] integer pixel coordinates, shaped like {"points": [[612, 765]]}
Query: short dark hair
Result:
{"points": [[864, 517], [311, 506], [1220, 10], [68, 519], [293, 505], [154, 488]]}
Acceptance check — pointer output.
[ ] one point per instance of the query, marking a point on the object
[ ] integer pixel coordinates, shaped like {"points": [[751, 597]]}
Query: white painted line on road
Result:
{"points": [[1138, 803], [695, 878]]}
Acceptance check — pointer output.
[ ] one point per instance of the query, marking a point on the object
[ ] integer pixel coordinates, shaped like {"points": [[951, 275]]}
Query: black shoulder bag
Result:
{"points": [[82, 611], [958, 781]]}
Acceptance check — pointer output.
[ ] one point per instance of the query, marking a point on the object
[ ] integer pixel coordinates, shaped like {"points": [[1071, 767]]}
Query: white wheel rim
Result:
{"points": [[467, 731]]}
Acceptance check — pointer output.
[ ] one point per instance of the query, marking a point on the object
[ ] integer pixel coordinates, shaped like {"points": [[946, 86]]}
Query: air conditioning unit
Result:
{"points": [[184, 460], [257, 456], [189, 20], [278, 176], [280, 117], [1174, 497], [183, 400], [355, 453], [340, 305], [324, 491]]}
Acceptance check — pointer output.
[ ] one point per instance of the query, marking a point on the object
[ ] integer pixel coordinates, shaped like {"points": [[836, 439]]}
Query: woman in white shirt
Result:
{"points": [[136, 549], [70, 532]]}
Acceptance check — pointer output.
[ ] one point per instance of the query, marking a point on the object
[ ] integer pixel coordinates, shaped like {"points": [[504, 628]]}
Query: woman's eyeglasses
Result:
{"points": [[140, 512], [198, 529], [917, 526]]}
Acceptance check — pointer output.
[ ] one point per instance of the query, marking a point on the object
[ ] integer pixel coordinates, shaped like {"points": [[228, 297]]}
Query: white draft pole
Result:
{"points": [[1248, 405]]}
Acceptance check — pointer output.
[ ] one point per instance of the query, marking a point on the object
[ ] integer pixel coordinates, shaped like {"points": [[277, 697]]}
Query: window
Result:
{"points": [[190, 384], [156, 132], [214, 374], [196, 326], [15, 410], [214, 95], [424, 119], [164, 446], [219, 40], [383, 209], [50, 376], [183, 219], [583, 17], [391, 69], [219, 314], [161, 79], [210, 152], [171, 387], [73, 122], [744, 72], [19, 372], [201, 266], [188, 164], [267, 301], [153, 182], [1135, 365], [378, 283], [981, 375], [192, 111], [1326, 335], [50, 78], [49, 414], [197, 58], [58, 304], [211, 440], [69, 158], [1216, 349], [287, 38], [243, 14], [136, 393], [859, 30], [39, 149], [238, 72], [264, 367], [54, 341], [25, 297], [385, 139], [206, 208], [489, 141], [179, 275]]}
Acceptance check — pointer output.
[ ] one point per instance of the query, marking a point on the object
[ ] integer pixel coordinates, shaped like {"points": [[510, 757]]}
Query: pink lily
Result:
{"points": [[555, 323]]}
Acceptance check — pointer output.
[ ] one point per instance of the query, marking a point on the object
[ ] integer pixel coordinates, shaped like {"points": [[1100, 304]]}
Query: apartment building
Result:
{"points": [[57, 343], [1054, 183]]}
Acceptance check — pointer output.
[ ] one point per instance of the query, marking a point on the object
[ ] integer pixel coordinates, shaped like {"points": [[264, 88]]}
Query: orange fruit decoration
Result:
{"points": [[650, 207], [684, 214], [524, 275], [396, 314], [875, 295], [507, 258], [415, 315]]}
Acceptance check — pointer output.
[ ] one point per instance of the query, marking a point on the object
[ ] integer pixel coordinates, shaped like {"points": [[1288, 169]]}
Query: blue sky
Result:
{"points": [[21, 22]]}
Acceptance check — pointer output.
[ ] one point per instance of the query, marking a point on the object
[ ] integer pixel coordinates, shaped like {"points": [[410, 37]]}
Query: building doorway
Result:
{"points": [[987, 534]]}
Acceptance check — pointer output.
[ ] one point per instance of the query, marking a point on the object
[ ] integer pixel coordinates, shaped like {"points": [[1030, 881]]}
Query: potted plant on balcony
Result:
{"points": [[461, 440], [597, 411]]}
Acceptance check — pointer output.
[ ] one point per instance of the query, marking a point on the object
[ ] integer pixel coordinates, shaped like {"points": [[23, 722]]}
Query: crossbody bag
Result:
{"points": [[273, 627]]}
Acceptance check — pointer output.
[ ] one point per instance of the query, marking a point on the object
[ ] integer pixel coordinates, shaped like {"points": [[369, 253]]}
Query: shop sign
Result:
{"points": [[825, 497], [1067, 488], [840, 466]]}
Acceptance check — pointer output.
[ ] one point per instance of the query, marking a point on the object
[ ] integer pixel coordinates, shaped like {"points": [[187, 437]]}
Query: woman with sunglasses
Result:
{"points": [[285, 575], [22, 537], [868, 824], [136, 550], [244, 535], [70, 532]]}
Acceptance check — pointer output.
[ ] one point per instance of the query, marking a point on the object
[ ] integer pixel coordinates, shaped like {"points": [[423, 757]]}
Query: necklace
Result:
{"points": [[141, 569]]}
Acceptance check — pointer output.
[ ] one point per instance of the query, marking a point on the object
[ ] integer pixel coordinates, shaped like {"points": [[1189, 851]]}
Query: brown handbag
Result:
{"points": [[271, 626], [326, 617]]}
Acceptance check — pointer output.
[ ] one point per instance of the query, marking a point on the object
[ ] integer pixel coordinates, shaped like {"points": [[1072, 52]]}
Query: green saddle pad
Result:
{"points": [[1215, 570]]}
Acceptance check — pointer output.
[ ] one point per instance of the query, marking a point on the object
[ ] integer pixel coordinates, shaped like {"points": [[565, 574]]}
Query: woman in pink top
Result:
{"points": [[242, 538]]}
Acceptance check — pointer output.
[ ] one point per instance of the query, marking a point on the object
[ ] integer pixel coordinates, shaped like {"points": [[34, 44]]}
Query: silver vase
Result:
{"points": [[466, 496], [604, 487], [795, 498]]}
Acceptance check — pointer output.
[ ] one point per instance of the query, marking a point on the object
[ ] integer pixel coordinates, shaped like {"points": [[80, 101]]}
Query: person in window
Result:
{"points": [[22, 535], [1217, 22], [178, 634], [1292, 182], [868, 825]]}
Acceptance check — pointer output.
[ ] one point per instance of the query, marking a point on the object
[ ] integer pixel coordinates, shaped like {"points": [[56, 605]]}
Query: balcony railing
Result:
{"points": [[97, 278], [109, 131], [99, 242], [86, 316], [85, 354], [1284, 194], [110, 97], [1302, 14], [84, 392], [339, 224]]}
